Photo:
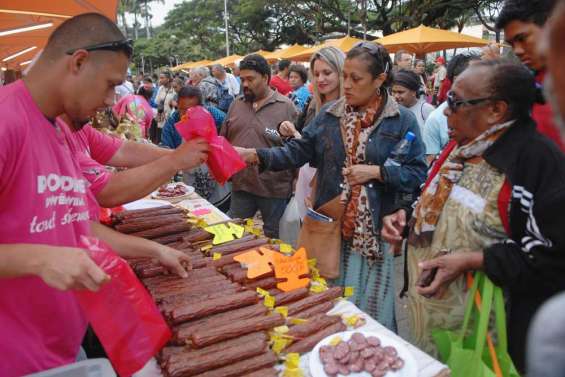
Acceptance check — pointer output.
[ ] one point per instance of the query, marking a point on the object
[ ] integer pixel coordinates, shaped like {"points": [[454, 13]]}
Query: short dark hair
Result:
{"points": [[398, 55], [512, 83], [534, 11], [81, 31], [377, 57], [458, 64], [191, 91], [146, 93], [283, 64], [148, 79], [167, 73], [256, 63], [407, 79], [300, 70]]}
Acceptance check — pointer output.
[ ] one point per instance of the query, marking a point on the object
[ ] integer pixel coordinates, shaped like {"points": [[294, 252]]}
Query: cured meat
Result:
{"points": [[184, 332], [139, 225], [172, 238], [214, 306], [186, 365], [127, 216], [318, 309], [197, 234], [264, 283], [206, 336], [288, 297], [169, 304], [315, 299], [307, 344], [265, 372], [164, 230], [242, 368], [196, 289], [243, 244], [313, 325]]}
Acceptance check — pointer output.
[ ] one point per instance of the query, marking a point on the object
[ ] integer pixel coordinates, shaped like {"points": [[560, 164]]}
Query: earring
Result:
{"points": [[379, 91]]}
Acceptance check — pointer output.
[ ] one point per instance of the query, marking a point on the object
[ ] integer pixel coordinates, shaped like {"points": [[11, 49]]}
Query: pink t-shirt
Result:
{"points": [[43, 200], [99, 146], [138, 108]]}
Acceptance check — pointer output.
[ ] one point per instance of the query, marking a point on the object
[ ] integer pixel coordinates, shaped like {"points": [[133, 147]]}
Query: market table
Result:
{"points": [[427, 366]]}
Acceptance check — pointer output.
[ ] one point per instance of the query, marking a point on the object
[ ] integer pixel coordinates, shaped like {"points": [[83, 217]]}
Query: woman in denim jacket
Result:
{"points": [[349, 142]]}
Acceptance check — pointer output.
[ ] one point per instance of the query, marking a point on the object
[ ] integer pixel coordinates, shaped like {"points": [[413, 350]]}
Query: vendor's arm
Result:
{"points": [[411, 173], [133, 154], [137, 247], [133, 184], [59, 267]]}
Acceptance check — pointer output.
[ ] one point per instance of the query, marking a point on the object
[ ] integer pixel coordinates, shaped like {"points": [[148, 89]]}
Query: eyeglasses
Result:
{"points": [[125, 45], [375, 51], [453, 103]]}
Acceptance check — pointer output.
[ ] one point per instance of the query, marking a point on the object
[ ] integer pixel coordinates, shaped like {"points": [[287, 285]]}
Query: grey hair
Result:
{"points": [[202, 71], [335, 58], [219, 67]]}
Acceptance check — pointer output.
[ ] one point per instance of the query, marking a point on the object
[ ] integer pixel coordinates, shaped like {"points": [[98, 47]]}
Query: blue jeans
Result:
{"points": [[245, 204]]}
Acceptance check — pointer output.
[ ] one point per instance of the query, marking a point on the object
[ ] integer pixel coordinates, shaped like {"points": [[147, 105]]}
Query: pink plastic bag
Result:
{"points": [[122, 314], [223, 159]]}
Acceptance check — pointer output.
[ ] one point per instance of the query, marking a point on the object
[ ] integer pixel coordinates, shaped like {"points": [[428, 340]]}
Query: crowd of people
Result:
{"points": [[464, 165]]}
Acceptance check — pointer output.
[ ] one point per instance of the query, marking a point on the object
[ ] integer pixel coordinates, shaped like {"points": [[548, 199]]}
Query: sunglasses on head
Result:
{"points": [[373, 49], [453, 103], [125, 45]]}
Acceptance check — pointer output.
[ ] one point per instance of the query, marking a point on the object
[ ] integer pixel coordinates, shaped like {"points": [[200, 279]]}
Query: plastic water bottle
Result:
{"points": [[400, 151]]}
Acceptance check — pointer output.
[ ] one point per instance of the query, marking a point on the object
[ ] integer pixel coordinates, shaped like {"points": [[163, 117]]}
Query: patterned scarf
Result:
{"points": [[357, 223], [433, 199]]}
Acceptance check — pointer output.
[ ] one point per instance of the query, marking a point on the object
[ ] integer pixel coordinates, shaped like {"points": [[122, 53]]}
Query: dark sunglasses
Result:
{"points": [[453, 103], [374, 50], [125, 45]]}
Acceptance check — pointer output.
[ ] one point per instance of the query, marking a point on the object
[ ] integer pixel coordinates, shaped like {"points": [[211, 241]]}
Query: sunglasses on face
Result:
{"points": [[125, 45], [453, 103]]}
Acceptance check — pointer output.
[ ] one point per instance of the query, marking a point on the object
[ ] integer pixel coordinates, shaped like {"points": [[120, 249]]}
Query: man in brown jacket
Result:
{"points": [[247, 124]]}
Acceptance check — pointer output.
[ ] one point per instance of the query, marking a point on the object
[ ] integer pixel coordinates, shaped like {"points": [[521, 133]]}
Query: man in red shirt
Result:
{"points": [[279, 82], [522, 21]]}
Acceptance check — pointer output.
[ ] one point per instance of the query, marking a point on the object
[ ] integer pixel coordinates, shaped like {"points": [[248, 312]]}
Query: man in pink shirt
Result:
{"points": [[44, 196]]}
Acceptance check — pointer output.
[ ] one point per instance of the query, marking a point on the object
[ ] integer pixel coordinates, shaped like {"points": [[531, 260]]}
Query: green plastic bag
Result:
{"points": [[466, 352]]}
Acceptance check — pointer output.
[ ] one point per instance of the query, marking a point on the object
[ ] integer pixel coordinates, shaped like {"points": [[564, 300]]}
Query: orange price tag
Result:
{"points": [[291, 268], [258, 262]]}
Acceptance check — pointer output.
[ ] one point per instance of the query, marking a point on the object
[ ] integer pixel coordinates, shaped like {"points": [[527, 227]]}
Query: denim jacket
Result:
{"points": [[322, 146]]}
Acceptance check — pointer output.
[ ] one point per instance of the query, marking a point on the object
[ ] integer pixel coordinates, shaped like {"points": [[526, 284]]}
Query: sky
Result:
{"points": [[159, 10]]}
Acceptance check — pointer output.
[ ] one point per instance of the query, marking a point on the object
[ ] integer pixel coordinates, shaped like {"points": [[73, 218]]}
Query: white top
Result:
{"points": [[232, 84], [422, 111]]}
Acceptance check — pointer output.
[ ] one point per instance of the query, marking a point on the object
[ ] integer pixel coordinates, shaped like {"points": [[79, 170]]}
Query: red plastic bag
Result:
{"points": [[223, 159], [122, 314]]}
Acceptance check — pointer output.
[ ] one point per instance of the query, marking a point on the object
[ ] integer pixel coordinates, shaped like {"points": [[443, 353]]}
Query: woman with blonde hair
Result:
{"points": [[326, 68]]}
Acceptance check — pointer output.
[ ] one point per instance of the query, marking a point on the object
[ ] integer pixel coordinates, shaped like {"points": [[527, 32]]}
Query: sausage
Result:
{"points": [[171, 238], [139, 225], [197, 234], [127, 216], [313, 300], [214, 306], [164, 230], [192, 275], [168, 304], [191, 364], [166, 288], [315, 310], [313, 325], [206, 336], [307, 344], [264, 283], [229, 246], [287, 297], [243, 367], [184, 332], [132, 212], [242, 246], [198, 289], [265, 372]]}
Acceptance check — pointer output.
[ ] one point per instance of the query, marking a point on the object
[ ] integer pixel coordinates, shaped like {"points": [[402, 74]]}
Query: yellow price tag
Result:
{"points": [[206, 248], [292, 360], [348, 291], [262, 292], [281, 329], [192, 221], [237, 230], [317, 288], [351, 320], [221, 232], [312, 262], [249, 222], [297, 321], [255, 231], [321, 281], [335, 341], [286, 248], [279, 344], [216, 256], [269, 301], [282, 310]]}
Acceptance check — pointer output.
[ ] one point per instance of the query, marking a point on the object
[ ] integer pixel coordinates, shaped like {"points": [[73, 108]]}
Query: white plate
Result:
{"points": [[189, 191], [410, 368], [146, 203]]}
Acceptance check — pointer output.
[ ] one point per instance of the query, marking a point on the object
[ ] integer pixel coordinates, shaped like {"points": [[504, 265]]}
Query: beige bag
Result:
{"points": [[322, 240]]}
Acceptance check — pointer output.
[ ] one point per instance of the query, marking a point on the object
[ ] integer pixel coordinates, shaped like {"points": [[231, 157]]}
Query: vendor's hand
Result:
{"points": [[360, 174], [287, 129], [449, 267], [393, 226], [67, 268], [249, 155], [190, 154], [174, 260]]}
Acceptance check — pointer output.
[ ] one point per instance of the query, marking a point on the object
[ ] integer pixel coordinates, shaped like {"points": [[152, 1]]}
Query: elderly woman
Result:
{"points": [[297, 78], [326, 66], [494, 201], [349, 142], [406, 89]]}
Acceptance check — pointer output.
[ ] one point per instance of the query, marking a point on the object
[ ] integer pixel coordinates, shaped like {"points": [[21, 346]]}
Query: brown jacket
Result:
{"points": [[245, 127]]}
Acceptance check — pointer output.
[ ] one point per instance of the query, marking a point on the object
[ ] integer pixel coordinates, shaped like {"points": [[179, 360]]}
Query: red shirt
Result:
{"points": [[543, 116], [280, 85]]}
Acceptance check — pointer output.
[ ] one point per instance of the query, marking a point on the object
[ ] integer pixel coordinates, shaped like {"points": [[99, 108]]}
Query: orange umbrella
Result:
{"points": [[423, 39], [285, 53], [344, 44], [265, 54], [189, 65], [228, 61], [36, 20]]}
